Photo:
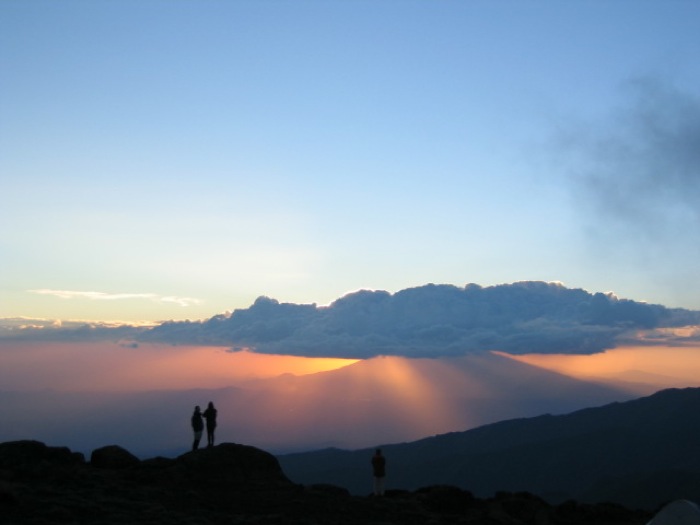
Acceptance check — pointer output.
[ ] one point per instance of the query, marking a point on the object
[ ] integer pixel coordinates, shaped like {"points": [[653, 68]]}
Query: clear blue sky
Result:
{"points": [[177, 159]]}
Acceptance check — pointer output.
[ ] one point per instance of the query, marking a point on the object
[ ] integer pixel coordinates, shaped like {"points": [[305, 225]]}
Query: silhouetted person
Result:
{"points": [[379, 472], [197, 427], [210, 416]]}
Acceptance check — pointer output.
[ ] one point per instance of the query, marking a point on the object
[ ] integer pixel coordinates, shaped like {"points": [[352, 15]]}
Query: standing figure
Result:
{"points": [[197, 427], [379, 472], [210, 416]]}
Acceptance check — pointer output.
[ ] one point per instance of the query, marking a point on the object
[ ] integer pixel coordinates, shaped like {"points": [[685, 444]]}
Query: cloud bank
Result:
{"points": [[434, 321], [24, 328]]}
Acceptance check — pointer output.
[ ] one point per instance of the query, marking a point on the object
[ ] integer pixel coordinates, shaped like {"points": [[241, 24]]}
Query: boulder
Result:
{"points": [[28, 459], [28, 451], [113, 457], [230, 463]]}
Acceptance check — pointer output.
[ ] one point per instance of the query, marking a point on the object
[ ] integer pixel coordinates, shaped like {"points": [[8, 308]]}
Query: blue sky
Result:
{"points": [[171, 160]]}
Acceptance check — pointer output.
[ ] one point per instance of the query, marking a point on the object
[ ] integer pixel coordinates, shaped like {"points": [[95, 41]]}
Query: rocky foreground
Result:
{"points": [[238, 484]]}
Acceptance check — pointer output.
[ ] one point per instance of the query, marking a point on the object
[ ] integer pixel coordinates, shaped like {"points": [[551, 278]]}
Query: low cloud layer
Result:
{"points": [[435, 321], [427, 321], [24, 328]]}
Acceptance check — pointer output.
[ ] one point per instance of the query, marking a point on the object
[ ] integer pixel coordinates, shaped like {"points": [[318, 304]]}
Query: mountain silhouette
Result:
{"points": [[639, 453], [388, 399]]}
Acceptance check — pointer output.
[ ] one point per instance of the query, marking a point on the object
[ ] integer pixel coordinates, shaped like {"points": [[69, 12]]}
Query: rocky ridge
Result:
{"points": [[238, 484]]}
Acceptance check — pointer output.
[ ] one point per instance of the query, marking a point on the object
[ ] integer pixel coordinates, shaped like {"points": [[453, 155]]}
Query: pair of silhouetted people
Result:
{"points": [[197, 420], [378, 472]]}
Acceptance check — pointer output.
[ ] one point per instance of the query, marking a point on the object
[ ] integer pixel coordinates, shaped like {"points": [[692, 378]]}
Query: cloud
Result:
{"points": [[433, 321], [636, 174], [181, 301], [25, 328], [103, 296], [665, 336]]}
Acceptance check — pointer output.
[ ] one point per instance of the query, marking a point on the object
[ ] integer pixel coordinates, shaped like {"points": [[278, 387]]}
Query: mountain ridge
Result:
{"points": [[556, 457]]}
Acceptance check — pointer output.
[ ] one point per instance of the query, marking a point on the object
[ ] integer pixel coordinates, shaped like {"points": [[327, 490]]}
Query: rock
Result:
{"points": [[447, 498], [523, 506], [28, 460], [326, 488], [7, 495], [113, 457], [241, 484], [231, 463], [25, 453]]}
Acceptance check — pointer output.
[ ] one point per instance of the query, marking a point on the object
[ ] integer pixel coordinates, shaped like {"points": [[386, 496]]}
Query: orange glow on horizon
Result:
{"points": [[113, 367], [380, 400], [352, 404], [636, 368]]}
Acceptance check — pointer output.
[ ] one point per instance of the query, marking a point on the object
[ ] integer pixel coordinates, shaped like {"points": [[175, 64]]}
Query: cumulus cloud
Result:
{"points": [[103, 296], [433, 321]]}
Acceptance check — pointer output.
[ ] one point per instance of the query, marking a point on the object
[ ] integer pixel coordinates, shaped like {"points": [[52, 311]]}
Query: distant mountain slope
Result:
{"points": [[651, 443], [389, 399], [386, 399]]}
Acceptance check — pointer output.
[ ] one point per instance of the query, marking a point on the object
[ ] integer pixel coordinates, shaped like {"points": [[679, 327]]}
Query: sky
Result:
{"points": [[176, 160]]}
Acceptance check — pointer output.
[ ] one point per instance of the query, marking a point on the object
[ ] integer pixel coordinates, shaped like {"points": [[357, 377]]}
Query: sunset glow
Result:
{"points": [[382, 400], [636, 368], [397, 384], [286, 403], [113, 367]]}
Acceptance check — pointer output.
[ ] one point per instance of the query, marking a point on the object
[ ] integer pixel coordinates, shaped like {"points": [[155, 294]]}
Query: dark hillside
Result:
{"points": [[590, 455], [241, 485]]}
